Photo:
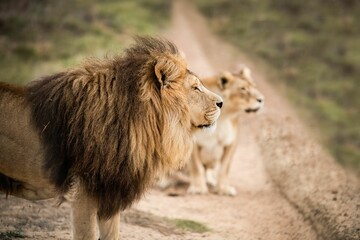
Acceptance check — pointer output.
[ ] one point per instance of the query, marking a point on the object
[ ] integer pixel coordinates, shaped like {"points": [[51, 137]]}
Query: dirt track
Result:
{"points": [[259, 211]]}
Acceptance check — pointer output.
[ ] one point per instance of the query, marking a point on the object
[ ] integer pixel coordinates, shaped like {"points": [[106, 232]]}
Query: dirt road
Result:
{"points": [[259, 211]]}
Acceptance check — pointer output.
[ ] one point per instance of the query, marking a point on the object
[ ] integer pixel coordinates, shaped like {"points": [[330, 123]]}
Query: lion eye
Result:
{"points": [[197, 89], [243, 88]]}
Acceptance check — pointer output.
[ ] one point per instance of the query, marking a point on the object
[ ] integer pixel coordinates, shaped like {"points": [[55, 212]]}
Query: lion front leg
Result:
{"points": [[84, 217], [110, 228]]}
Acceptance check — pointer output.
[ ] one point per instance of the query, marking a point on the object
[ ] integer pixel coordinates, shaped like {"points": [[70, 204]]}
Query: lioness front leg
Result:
{"points": [[84, 217], [197, 174], [211, 177], [223, 187], [110, 228]]}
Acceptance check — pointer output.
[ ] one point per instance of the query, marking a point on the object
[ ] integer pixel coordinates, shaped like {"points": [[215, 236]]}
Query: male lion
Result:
{"points": [[215, 151], [97, 136]]}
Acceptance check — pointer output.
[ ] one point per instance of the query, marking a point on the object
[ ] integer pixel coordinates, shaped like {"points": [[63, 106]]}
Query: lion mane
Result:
{"points": [[108, 125]]}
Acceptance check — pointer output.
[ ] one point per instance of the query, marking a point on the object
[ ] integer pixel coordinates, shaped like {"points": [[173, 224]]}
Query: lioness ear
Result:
{"points": [[245, 72], [224, 80]]}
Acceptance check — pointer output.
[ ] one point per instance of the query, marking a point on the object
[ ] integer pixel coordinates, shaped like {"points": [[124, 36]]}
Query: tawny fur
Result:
{"points": [[213, 153], [98, 135]]}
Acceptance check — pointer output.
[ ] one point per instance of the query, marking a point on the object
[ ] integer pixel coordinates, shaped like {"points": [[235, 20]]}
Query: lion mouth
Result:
{"points": [[252, 110], [202, 126]]}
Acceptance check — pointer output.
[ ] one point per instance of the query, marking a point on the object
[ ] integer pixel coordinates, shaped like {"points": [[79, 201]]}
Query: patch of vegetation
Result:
{"points": [[315, 48], [9, 235], [42, 37], [167, 226], [191, 226]]}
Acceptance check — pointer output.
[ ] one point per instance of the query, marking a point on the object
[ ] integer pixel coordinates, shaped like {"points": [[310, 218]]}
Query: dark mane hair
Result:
{"points": [[103, 124]]}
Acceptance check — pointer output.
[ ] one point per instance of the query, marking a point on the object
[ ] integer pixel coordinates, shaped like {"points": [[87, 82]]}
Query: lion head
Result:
{"points": [[114, 125], [205, 105], [176, 82], [239, 91]]}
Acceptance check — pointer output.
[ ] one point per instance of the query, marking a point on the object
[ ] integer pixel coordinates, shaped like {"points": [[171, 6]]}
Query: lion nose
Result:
{"points": [[260, 100], [219, 104]]}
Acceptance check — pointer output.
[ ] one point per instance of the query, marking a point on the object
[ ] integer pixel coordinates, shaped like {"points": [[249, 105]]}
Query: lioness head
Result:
{"points": [[239, 91]]}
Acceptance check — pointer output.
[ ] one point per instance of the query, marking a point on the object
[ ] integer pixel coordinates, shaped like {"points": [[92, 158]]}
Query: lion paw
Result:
{"points": [[227, 190], [194, 189]]}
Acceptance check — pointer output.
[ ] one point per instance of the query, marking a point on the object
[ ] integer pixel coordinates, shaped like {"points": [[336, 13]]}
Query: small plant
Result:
{"points": [[8, 235], [164, 225], [192, 226]]}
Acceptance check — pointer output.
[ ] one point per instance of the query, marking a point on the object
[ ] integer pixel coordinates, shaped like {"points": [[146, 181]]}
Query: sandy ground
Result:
{"points": [[261, 210]]}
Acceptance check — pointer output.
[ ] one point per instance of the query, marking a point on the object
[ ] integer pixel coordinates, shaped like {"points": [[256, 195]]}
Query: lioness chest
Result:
{"points": [[212, 144]]}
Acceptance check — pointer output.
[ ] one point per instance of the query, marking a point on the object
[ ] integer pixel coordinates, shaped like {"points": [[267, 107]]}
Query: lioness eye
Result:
{"points": [[242, 88], [197, 89]]}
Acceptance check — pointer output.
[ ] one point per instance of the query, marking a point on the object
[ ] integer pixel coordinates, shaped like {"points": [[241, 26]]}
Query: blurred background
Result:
{"points": [[312, 47], [42, 37]]}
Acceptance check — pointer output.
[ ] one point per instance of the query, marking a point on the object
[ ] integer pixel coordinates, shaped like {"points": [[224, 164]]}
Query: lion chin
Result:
{"points": [[210, 128], [98, 135]]}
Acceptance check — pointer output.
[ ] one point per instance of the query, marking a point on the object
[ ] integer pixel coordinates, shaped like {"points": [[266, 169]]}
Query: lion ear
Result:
{"points": [[167, 70], [162, 68]]}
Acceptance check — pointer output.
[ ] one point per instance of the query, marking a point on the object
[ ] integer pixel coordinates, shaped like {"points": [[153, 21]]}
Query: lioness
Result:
{"points": [[98, 136], [213, 152]]}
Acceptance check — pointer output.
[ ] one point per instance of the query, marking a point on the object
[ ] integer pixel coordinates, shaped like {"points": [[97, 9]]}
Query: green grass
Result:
{"points": [[42, 37], [190, 226], [9, 235], [163, 224], [315, 48]]}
